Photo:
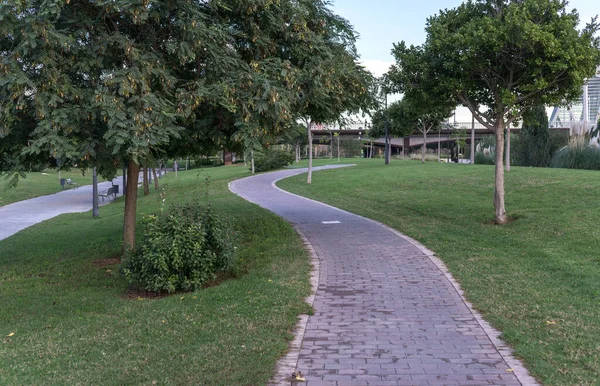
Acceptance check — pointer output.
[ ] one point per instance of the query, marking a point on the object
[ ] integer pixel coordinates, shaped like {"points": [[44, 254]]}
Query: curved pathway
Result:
{"points": [[386, 311]]}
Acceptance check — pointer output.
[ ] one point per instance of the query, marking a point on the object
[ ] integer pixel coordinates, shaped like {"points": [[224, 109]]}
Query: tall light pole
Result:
{"points": [[387, 150]]}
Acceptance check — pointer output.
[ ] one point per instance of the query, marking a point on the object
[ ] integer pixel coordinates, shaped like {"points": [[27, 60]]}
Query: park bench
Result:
{"points": [[107, 193], [69, 182]]}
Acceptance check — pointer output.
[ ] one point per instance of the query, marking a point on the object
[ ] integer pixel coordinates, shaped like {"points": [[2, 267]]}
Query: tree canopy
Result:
{"points": [[113, 83]]}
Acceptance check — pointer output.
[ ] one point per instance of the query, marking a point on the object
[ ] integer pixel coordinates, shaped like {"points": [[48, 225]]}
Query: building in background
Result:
{"points": [[585, 111]]}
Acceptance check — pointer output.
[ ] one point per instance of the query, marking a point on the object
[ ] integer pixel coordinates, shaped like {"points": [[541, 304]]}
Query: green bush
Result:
{"points": [[578, 154], [482, 158], [272, 159], [181, 250], [207, 162]]}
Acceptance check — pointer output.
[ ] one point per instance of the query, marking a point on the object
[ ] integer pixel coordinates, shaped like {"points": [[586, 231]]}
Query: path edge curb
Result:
{"points": [[505, 351]]}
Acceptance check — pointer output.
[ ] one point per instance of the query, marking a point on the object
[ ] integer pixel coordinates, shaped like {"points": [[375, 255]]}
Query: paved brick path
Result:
{"points": [[385, 313]]}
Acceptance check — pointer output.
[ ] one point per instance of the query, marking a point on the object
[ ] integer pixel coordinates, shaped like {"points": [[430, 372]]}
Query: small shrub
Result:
{"points": [[272, 159], [181, 250]]}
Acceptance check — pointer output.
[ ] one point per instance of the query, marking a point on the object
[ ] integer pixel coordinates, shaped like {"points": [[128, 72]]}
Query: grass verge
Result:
{"points": [[72, 324], [536, 279]]}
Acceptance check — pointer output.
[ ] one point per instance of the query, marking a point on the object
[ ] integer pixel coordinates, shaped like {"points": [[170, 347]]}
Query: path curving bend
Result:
{"points": [[386, 312]]}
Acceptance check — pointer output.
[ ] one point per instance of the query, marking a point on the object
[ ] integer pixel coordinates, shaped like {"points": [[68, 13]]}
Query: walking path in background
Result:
{"points": [[386, 311], [23, 214]]}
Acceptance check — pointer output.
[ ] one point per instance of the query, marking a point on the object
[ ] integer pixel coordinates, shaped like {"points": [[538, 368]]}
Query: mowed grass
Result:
{"points": [[537, 279], [41, 184], [74, 324]]}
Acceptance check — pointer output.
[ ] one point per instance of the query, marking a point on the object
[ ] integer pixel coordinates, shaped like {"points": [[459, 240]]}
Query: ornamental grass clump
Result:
{"points": [[181, 250], [578, 154]]}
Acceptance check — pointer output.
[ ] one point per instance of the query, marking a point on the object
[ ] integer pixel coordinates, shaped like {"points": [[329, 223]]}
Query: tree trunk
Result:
{"points": [[473, 140], [94, 192], [338, 146], [439, 146], [297, 149], [331, 145], [310, 153], [508, 149], [145, 180], [124, 179], [499, 184], [155, 179], [129, 222], [424, 145], [252, 161]]}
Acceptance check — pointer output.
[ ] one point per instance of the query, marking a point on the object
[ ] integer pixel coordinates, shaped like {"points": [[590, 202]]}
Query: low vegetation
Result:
{"points": [[271, 159], [181, 250], [537, 278], [69, 317]]}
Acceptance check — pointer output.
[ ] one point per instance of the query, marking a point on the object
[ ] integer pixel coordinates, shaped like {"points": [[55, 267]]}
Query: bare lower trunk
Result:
{"points": [[145, 180], [439, 147], [424, 146], [338, 147], [331, 145], [310, 154], [499, 185], [155, 179], [94, 192], [252, 161], [297, 148], [508, 149], [129, 221]]}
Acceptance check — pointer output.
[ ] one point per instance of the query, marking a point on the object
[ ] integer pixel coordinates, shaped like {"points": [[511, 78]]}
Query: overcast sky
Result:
{"points": [[380, 23]]}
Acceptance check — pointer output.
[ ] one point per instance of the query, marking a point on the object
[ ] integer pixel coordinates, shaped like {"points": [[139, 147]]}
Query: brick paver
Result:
{"points": [[384, 313]]}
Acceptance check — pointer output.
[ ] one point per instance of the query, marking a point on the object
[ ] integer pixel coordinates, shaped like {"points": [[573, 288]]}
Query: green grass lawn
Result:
{"points": [[536, 279], [73, 324], [40, 184]]}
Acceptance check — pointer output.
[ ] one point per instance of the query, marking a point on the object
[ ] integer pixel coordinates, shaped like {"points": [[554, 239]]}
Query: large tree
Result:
{"points": [[109, 83], [500, 58], [425, 101]]}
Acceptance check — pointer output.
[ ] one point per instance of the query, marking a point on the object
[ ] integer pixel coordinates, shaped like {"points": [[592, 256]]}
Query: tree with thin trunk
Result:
{"points": [[145, 181], [501, 58], [155, 179]]}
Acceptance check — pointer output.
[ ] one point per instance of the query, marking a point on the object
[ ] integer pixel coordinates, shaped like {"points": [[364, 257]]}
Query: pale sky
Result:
{"points": [[380, 23]]}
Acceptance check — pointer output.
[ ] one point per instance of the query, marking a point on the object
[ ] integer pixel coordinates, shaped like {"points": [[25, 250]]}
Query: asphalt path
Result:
{"points": [[23, 214]]}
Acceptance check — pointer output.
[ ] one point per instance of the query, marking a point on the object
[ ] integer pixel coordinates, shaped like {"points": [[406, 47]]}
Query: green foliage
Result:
{"points": [[181, 250], [482, 158], [349, 147], [400, 121], [578, 154], [531, 147], [211, 161], [512, 55], [272, 159]]}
